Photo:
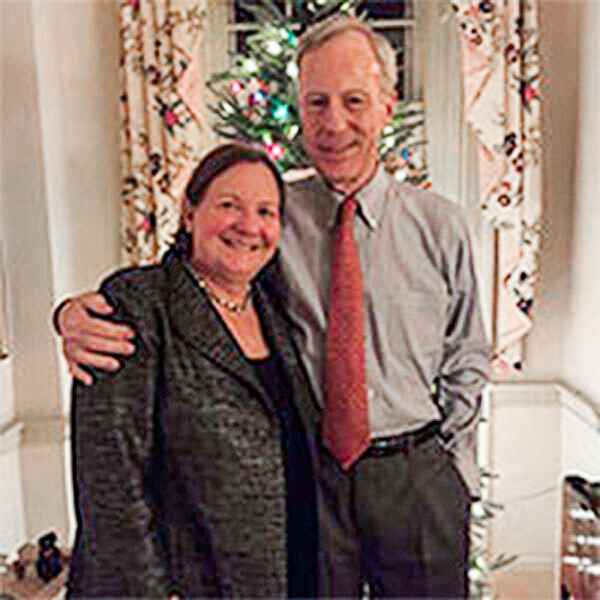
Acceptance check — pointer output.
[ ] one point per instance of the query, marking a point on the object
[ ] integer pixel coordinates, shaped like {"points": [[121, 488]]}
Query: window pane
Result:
{"points": [[386, 9], [378, 11], [243, 16], [240, 42], [240, 15], [399, 40]]}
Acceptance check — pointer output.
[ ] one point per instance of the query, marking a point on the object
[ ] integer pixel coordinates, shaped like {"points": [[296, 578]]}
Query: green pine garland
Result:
{"points": [[481, 564]]}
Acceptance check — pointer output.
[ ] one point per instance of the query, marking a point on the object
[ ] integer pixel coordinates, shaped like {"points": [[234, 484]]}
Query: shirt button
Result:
{"points": [[370, 394]]}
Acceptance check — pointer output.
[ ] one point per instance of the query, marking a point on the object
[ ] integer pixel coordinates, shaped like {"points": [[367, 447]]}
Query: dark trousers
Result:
{"points": [[398, 523]]}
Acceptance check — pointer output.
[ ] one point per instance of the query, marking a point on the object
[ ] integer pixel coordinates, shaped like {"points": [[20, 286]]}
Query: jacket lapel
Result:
{"points": [[196, 322]]}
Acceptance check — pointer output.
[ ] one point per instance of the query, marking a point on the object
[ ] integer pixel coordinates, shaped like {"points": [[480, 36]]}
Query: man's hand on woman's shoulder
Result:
{"points": [[90, 340]]}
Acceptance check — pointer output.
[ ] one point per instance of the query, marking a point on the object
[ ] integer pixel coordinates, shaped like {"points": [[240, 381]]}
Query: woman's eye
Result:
{"points": [[267, 212], [227, 204]]}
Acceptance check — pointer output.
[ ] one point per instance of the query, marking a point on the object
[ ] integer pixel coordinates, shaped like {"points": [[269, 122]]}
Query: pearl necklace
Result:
{"points": [[229, 305]]}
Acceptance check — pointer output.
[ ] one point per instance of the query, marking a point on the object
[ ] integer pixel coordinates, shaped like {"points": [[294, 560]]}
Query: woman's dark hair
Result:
{"points": [[210, 167], [221, 159]]}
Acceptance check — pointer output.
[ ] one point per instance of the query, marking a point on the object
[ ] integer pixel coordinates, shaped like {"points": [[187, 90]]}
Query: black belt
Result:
{"points": [[386, 446]]}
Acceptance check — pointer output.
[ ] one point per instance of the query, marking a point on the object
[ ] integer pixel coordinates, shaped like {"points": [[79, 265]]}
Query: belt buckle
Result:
{"points": [[404, 441], [389, 446]]}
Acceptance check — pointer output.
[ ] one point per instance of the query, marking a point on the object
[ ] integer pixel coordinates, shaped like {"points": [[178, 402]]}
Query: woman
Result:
{"points": [[192, 464]]}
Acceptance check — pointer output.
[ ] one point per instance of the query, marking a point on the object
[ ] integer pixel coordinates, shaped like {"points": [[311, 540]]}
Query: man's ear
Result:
{"points": [[390, 101]]}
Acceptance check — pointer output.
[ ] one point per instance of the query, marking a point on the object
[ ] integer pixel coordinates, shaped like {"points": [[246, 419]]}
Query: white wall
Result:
{"points": [[563, 344], [583, 316], [59, 218], [12, 513]]}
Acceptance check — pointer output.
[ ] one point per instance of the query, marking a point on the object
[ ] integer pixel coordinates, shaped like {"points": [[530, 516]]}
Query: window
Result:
{"points": [[392, 18]]}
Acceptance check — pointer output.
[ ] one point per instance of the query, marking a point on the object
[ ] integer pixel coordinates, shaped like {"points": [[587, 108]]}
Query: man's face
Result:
{"points": [[343, 109]]}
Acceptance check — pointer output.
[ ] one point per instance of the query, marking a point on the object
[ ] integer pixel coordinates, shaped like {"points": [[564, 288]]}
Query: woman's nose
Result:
{"points": [[249, 222]]}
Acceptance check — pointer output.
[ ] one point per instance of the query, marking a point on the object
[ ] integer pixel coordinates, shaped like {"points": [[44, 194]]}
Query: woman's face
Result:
{"points": [[237, 225]]}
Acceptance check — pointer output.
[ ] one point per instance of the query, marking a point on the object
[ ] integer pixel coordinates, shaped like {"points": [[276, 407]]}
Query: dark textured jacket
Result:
{"points": [[178, 466]]}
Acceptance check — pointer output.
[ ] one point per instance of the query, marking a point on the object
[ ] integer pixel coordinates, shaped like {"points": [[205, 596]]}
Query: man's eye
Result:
{"points": [[356, 102], [317, 103]]}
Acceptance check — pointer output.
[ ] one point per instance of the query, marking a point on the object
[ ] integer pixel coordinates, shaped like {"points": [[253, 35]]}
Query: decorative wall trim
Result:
{"points": [[551, 393]]}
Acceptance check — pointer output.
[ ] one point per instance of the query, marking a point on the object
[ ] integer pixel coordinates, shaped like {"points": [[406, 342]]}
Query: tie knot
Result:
{"points": [[348, 209]]}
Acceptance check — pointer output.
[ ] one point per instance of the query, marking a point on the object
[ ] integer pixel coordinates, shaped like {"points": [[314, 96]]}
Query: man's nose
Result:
{"points": [[335, 118]]}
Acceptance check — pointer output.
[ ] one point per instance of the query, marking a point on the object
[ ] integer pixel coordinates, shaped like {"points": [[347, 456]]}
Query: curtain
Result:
{"points": [[452, 150], [501, 86], [163, 130]]}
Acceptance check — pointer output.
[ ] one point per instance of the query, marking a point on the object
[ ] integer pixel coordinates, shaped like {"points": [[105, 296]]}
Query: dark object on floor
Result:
{"points": [[49, 563]]}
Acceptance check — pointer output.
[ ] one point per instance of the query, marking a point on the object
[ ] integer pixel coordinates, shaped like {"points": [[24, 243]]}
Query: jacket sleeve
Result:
{"points": [[465, 365], [116, 466]]}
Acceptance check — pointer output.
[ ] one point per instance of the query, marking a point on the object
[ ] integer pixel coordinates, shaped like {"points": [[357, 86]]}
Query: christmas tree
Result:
{"points": [[256, 99]]}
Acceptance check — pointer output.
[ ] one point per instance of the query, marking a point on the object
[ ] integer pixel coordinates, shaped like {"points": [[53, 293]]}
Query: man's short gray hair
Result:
{"points": [[321, 32]]}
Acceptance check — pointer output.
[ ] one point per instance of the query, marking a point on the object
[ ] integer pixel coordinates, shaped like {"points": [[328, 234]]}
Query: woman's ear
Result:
{"points": [[186, 219]]}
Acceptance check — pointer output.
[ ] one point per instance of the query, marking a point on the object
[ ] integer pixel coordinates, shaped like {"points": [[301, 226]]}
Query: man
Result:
{"points": [[395, 507]]}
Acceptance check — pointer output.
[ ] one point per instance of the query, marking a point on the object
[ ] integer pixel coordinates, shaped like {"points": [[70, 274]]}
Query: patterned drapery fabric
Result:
{"points": [[501, 81], [162, 133]]}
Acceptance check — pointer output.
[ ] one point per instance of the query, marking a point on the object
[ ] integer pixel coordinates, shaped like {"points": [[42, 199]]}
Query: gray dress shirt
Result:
{"points": [[427, 356]]}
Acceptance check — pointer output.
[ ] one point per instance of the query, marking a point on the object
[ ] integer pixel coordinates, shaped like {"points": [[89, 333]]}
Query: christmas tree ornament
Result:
{"points": [[273, 48], [292, 70], [293, 40], [257, 98], [292, 131], [276, 151], [281, 112], [226, 108], [250, 65], [389, 142], [267, 137], [401, 174], [236, 87]]}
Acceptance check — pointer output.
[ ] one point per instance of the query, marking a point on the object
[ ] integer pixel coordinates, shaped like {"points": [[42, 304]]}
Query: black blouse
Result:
{"points": [[302, 540]]}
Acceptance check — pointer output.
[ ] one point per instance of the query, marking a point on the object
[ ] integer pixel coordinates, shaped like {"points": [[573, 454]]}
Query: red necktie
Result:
{"points": [[345, 423]]}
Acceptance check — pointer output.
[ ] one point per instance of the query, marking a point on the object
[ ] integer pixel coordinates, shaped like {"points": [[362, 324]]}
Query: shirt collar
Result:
{"points": [[370, 199]]}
